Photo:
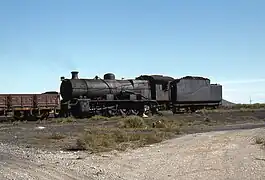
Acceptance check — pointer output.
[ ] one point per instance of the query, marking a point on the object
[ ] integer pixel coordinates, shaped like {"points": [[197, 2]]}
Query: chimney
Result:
{"points": [[62, 78], [74, 74]]}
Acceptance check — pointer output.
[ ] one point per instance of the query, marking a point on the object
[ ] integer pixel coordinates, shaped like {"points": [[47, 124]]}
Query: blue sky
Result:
{"points": [[223, 40]]}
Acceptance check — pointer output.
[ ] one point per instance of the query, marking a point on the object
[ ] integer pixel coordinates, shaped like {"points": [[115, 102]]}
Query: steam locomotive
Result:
{"points": [[143, 95]]}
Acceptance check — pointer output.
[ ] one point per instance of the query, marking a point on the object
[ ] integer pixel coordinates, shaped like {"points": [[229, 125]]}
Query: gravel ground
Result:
{"points": [[213, 155], [28, 133]]}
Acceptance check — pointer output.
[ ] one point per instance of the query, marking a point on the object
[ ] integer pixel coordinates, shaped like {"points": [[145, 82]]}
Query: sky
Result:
{"points": [[40, 41]]}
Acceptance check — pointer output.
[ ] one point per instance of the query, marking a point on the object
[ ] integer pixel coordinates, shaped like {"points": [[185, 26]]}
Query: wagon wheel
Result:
{"points": [[32, 117], [44, 115], [17, 116]]}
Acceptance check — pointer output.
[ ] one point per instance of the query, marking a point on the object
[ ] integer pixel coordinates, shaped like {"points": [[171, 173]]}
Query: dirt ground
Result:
{"points": [[214, 155], [55, 135], [34, 150]]}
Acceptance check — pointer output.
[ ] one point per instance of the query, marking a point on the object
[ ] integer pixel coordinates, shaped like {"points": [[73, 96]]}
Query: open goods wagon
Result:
{"points": [[29, 106]]}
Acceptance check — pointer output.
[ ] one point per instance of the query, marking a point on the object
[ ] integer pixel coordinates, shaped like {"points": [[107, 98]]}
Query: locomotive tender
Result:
{"points": [[195, 93], [109, 96]]}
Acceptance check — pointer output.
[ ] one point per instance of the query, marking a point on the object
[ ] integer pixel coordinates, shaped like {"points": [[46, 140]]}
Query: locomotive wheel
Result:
{"points": [[115, 112], [123, 112], [109, 113], [134, 112], [192, 110]]}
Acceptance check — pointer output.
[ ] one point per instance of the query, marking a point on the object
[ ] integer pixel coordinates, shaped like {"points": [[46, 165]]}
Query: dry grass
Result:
{"points": [[249, 106], [131, 132], [56, 136], [260, 140], [121, 133], [102, 139], [237, 107], [104, 134], [96, 118], [64, 120], [132, 122], [104, 118]]}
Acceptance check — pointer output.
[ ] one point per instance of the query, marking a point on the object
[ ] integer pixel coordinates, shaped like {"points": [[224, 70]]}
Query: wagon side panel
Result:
{"points": [[3, 101], [22, 100], [47, 100]]}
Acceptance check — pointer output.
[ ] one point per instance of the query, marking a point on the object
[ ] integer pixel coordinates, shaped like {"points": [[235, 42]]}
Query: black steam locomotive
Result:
{"points": [[142, 95]]}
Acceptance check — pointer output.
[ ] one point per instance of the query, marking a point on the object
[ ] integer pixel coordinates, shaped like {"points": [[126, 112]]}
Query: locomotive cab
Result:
{"points": [[159, 86]]}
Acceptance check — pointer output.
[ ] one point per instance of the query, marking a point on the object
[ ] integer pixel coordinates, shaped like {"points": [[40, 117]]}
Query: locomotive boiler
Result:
{"points": [[92, 88]]}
